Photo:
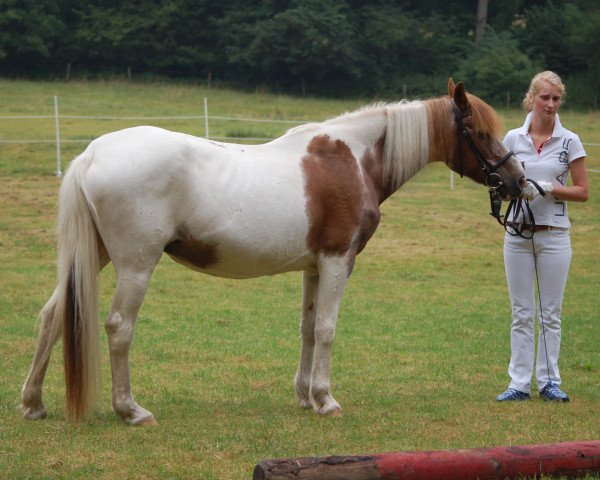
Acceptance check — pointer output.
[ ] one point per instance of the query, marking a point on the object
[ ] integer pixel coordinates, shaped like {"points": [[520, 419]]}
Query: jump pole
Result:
{"points": [[566, 459]]}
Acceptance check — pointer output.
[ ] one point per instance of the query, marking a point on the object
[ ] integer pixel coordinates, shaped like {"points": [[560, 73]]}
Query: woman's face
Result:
{"points": [[547, 100]]}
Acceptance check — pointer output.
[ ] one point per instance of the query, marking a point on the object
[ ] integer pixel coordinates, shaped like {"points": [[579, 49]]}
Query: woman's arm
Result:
{"points": [[578, 192]]}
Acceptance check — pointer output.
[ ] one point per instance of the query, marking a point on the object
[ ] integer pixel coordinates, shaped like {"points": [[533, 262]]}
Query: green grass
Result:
{"points": [[422, 344]]}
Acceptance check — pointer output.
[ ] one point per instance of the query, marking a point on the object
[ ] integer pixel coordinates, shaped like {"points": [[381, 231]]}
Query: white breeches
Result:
{"points": [[552, 249]]}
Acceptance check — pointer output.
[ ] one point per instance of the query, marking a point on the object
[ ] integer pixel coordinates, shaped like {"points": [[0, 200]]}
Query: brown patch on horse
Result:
{"points": [[378, 189], [192, 253], [372, 164], [334, 195]]}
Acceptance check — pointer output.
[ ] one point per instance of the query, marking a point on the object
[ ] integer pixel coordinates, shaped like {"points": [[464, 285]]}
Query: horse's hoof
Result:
{"points": [[146, 421], [34, 414], [136, 416], [142, 420], [333, 410], [149, 422]]}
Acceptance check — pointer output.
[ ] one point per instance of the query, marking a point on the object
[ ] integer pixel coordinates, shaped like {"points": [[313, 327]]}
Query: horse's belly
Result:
{"points": [[236, 260]]}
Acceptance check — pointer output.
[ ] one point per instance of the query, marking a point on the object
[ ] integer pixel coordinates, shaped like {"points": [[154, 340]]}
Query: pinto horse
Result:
{"points": [[307, 201]]}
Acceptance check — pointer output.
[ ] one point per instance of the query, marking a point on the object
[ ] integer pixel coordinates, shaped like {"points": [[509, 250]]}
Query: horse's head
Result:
{"points": [[479, 154]]}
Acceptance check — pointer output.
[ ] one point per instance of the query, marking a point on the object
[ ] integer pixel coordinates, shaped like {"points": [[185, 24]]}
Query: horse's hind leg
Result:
{"points": [[310, 283], [31, 394], [131, 288]]}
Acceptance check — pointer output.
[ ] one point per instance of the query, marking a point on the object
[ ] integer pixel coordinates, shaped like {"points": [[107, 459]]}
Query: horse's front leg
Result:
{"points": [[333, 274], [310, 283], [131, 287]]}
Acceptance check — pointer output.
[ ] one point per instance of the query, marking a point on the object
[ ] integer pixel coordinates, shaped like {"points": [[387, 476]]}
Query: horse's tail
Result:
{"points": [[76, 310]]}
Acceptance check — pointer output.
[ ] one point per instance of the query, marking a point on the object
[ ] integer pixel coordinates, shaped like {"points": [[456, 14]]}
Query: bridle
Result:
{"points": [[492, 179]]}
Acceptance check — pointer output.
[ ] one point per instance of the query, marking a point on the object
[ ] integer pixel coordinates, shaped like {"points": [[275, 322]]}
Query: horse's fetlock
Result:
{"points": [[30, 395], [302, 384], [123, 407], [319, 389]]}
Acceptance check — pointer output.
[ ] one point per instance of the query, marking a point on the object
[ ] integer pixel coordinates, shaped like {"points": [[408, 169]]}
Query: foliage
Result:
{"points": [[29, 31], [328, 47], [311, 40], [496, 69]]}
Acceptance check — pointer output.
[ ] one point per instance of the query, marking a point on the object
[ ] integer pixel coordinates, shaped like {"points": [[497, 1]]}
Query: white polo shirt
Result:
{"points": [[550, 164]]}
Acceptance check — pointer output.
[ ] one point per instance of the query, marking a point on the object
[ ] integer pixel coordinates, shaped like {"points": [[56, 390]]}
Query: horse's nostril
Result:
{"points": [[522, 182]]}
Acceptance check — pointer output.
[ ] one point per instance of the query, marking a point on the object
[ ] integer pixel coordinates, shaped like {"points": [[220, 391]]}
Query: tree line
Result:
{"points": [[322, 47]]}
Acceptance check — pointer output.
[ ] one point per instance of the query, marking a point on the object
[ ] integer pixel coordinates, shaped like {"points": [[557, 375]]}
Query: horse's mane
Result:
{"points": [[406, 149], [485, 119]]}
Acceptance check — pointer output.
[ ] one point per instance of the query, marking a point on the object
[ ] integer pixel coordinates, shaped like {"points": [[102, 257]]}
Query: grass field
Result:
{"points": [[422, 344]]}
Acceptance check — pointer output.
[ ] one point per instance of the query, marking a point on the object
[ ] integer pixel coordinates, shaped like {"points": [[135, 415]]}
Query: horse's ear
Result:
{"points": [[460, 97], [451, 87]]}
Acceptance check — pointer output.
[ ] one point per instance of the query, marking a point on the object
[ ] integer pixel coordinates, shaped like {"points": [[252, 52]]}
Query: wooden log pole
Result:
{"points": [[566, 459]]}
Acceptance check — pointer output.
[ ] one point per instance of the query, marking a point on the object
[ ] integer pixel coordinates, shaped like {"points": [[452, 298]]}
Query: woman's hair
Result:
{"points": [[536, 85]]}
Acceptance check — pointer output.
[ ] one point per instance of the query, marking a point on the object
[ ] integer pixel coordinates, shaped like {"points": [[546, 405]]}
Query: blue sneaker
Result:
{"points": [[512, 394], [551, 393]]}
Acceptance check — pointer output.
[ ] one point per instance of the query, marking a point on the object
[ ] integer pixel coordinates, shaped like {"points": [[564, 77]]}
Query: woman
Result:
{"points": [[550, 153]]}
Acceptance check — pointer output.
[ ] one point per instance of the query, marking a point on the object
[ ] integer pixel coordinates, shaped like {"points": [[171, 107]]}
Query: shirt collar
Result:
{"points": [[558, 128]]}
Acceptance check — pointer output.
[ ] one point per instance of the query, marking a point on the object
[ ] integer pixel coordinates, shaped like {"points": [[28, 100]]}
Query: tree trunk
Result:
{"points": [[482, 8]]}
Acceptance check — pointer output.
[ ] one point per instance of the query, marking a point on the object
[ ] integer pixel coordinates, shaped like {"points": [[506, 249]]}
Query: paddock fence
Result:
{"points": [[205, 118]]}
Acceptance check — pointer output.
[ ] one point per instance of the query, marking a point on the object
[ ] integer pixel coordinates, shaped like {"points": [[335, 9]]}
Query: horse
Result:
{"points": [[307, 201]]}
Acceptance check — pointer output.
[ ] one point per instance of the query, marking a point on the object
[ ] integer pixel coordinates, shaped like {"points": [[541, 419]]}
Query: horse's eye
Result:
{"points": [[484, 137]]}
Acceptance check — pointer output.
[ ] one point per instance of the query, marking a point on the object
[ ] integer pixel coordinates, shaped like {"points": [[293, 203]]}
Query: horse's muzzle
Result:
{"points": [[512, 190]]}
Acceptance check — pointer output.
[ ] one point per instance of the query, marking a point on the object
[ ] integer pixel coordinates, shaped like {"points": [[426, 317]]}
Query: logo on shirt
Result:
{"points": [[563, 157]]}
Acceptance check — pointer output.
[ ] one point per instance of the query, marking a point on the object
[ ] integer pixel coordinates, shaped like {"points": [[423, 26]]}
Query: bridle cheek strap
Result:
{"points": [[492, 179]]}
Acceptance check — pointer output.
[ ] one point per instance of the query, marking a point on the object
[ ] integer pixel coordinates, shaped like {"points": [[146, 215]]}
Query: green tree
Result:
{"points": [[497, 70], [30, 30], [171, 36], [306, 42]]}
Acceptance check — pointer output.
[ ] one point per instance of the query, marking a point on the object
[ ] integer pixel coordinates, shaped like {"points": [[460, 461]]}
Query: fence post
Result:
{"points": [[58, 170], [206, 117]]}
